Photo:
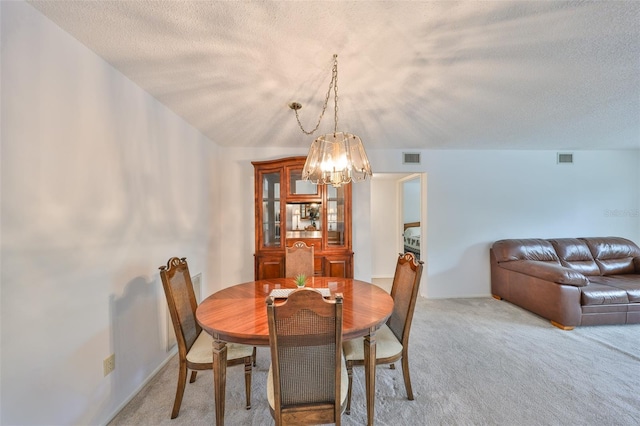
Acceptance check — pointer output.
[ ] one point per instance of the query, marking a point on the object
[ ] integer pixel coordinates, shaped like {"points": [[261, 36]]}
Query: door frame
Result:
{"points": [[399, 224]]}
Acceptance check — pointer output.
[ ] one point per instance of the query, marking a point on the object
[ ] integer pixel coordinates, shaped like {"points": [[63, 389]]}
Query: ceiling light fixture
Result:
{"points": [[335, 158]]}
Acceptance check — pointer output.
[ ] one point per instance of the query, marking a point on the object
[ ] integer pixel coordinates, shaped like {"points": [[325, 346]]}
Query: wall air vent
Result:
{"points": [[410, 158], [565, 158]]}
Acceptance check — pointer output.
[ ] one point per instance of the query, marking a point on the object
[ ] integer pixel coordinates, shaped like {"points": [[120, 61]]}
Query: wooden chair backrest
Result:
{"points": [[181, 299], [404, 292], [299, 260], [305, 336]]}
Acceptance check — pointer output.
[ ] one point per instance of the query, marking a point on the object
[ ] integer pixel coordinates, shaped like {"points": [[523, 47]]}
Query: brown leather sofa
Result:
{"points": [[570, 281]]}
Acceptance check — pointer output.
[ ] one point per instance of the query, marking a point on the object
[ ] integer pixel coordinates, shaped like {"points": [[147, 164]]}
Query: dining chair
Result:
{"points": [[299, 260], [392, 339], [307, 381], [195, 348]]}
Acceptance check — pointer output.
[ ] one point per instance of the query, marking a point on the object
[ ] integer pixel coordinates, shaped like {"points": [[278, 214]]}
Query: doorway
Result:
{"points": [[398, 207]]}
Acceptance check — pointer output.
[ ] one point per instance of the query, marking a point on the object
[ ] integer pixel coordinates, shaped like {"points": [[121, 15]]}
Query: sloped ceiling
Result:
{"points": [[422, 75]]}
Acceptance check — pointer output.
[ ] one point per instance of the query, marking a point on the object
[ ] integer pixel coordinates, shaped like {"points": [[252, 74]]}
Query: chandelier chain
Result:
{"points": [[335, 91], [333, 84]]}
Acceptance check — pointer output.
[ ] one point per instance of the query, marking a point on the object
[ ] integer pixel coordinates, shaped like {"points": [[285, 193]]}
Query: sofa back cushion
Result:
{"points": [[524, 249], [575, 254], [613, 255]]}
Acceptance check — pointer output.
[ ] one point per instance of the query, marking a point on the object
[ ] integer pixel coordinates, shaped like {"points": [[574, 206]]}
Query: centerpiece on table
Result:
{"points": [[301, 280]]}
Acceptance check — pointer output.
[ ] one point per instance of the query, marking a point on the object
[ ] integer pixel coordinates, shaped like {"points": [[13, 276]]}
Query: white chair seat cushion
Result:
{"points": [[387, 345], [202, 350], [344, 384]]}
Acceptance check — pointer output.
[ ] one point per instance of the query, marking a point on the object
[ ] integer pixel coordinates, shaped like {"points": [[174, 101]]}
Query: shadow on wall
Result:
{"points": [[137, 338]]}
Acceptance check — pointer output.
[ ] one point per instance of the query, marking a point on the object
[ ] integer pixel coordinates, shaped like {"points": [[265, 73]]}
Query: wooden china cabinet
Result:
{"points": [[289, 209]]}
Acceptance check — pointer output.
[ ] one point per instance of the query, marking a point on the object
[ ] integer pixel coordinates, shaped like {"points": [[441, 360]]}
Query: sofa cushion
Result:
{"points": [[630, 283], [600, 294], [549, 271], [524, 249], [575, 254], [613, 255]]}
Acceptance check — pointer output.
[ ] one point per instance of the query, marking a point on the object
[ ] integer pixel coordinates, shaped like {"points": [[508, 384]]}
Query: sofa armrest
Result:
{"points": [[636, 264], [547, 271]]}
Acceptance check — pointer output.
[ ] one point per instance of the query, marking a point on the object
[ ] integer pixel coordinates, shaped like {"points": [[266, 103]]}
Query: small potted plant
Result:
{"points": [[301, 280]]}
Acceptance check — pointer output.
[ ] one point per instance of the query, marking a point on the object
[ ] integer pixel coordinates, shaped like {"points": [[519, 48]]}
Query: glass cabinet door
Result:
{"points": [[271, 209], [335, 216], [298, 187]]}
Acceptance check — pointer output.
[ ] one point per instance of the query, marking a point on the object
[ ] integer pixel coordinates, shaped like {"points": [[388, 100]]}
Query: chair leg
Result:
{"points": [[248, 361], [182, 381], [194, 373], [405, 374], [350, 377], [254, 356]]}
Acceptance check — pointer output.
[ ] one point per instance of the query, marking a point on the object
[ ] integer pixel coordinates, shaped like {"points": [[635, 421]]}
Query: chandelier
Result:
{"points": [[335, 158]]}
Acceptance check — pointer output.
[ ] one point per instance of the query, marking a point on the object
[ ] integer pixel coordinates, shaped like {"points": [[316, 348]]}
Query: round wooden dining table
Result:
{"points": [[238, 314]]}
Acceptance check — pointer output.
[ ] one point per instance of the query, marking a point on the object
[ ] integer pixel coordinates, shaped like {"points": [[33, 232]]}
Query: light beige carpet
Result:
{"points": [[473, 362]]}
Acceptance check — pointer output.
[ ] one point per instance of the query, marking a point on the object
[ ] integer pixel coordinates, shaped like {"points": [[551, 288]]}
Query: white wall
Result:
{"points": [[477, 197], [101, 184], [237, 209], [474, 198], [411, 200], [384, 226]]}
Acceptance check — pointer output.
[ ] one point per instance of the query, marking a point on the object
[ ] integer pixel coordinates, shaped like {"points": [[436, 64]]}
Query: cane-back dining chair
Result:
{"points": [[392, 339], [307, 381], [195, 350], [299, 260]]}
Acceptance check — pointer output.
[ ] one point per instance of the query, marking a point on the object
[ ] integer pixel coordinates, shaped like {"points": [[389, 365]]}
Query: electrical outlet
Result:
{"points": [[109, 364]]}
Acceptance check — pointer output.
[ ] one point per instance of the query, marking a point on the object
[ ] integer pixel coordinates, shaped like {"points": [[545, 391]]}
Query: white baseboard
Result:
{"points": [[142, 385]]}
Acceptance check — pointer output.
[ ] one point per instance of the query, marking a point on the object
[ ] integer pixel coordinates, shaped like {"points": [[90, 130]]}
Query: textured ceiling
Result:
{"points": [[429, 74]]}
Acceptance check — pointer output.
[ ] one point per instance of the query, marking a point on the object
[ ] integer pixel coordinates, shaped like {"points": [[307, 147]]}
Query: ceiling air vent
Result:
{"points": [[410, 158], [565, 158]]}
